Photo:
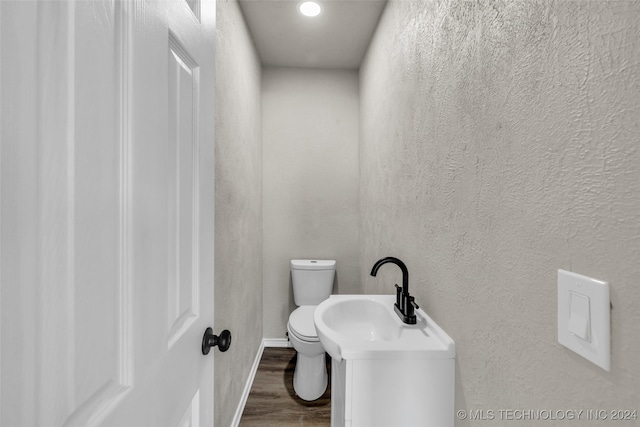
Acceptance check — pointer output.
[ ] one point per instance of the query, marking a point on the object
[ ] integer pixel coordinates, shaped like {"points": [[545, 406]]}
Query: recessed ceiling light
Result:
{"points": [[310, 8]]}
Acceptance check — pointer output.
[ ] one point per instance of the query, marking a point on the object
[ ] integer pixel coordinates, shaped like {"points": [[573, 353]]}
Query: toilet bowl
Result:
{"points": [[312, 283], [310, 377]]}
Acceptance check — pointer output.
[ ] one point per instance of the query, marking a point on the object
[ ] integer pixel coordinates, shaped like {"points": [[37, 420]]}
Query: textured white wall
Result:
{"points": [[238, 217], [310, 208], [499, 142]]}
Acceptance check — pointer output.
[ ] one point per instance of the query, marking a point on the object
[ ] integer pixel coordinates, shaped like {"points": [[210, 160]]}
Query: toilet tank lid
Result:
{"points": [[313, 264]]}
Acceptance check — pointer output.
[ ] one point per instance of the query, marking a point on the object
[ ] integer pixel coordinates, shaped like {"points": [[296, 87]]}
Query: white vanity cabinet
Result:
{"points": [[390, 393]]}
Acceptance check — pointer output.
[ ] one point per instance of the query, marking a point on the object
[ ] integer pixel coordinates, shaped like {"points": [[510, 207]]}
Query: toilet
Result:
{"points": [[312, 283]]}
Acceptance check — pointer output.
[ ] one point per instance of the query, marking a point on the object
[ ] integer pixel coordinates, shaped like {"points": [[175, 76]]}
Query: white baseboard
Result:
{"points": [[247, 386], [276, 342]]}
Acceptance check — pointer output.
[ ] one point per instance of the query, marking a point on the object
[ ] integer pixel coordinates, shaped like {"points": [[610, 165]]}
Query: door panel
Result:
{"points": [[191, 417], [106, 212], [183, 106]]}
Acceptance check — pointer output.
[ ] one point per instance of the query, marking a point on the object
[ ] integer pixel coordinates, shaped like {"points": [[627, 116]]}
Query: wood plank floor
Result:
{"points": [[272, 401]]}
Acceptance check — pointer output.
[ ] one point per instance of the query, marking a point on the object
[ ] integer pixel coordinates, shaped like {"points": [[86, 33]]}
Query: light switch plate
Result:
{"points": [[584, 317]]}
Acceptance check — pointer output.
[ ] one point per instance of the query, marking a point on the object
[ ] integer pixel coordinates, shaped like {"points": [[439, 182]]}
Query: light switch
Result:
{"points": [[579, 321], [584, 317]]}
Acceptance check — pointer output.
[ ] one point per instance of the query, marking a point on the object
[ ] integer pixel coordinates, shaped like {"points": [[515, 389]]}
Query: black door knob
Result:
{"points": [[209, 340]]}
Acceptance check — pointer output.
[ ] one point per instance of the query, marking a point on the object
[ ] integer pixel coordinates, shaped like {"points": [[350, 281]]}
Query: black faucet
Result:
{"points": [[405, 304]]}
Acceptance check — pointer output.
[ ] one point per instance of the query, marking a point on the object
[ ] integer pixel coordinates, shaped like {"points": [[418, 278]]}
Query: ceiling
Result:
{"points": [[337, 38]]}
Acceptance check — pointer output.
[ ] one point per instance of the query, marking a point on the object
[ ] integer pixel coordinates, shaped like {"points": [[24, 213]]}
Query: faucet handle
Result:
{"points": [[398, 296], [412, 301]]}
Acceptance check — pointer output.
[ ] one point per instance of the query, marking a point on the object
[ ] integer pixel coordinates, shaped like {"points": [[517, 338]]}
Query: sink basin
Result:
{"points": [[363, 319], [366, 327]]}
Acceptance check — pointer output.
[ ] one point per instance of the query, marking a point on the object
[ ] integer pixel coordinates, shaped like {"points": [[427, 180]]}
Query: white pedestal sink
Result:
{"points": [[385, 373]]}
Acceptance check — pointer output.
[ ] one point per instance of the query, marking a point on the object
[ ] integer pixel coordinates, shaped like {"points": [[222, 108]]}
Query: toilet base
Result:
{"points": [[310, 376]]}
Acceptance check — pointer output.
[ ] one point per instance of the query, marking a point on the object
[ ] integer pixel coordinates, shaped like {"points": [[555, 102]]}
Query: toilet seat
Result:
{"points": [[301, 323]]}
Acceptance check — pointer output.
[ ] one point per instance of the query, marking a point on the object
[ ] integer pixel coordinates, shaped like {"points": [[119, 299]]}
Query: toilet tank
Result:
{"points": [[312, 280]]}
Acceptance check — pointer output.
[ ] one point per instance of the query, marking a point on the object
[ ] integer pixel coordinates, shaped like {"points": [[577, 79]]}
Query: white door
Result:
{"points": [[106, 212]]}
